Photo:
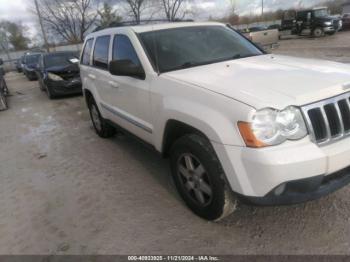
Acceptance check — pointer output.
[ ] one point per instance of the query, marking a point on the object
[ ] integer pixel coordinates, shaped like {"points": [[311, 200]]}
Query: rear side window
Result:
{"points": [[124, 50], [85, 59], [101, 52]]}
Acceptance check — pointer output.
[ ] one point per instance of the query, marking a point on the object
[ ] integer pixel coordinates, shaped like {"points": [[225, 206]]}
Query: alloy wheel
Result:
{"points": [[195, 179]]}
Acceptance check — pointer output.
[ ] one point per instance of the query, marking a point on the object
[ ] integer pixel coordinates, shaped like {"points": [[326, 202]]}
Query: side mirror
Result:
{"points": [[126, 68], [1, 62]]}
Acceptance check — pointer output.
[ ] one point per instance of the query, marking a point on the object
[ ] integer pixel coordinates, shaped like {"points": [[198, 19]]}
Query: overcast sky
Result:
{"points": [[18, 10]]}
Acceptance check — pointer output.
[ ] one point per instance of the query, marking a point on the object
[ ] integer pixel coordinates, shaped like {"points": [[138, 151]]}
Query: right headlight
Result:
{"points": [[271, 127], [54, 77]]}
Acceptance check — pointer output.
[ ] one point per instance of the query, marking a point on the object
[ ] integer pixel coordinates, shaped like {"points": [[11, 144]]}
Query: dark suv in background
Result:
{"points": [[30, 65], [346, 21], [315, 22]]}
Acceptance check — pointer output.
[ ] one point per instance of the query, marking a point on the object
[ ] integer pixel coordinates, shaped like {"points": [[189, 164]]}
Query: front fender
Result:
{"points": [[219, 126]]}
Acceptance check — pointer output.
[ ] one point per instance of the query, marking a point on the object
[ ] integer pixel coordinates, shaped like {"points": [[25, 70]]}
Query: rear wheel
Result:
{"points": [[101, 126], [200, 179]]}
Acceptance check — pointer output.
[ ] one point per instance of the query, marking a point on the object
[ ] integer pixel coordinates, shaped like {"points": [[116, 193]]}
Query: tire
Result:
{"points": [[50, 93], [200, 179], [41, 86], [3, 102], [5, 88], [318, 32], [101, 126]]}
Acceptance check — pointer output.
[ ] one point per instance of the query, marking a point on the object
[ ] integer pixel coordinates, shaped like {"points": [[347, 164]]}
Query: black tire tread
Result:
{"points": [[225, 204], [107, 129]]}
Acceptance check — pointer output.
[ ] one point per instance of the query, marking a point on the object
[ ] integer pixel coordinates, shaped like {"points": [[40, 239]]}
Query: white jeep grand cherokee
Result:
{"points": [[236, 122]]}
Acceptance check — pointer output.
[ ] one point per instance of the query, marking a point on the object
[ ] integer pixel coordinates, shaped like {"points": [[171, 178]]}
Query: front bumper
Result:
{"points": [[329, 29], [68, 87], [302, 190], [260, 173], [31, 74]]}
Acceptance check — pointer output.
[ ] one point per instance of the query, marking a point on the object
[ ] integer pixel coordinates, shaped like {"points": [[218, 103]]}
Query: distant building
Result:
{"points": [[346, 8]]}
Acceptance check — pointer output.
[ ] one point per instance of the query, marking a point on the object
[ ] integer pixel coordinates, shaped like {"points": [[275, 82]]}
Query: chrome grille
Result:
{"points": [[328, 120]]}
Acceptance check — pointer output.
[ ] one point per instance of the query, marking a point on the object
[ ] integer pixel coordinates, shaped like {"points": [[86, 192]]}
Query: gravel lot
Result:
{"points": [[335, 48], [66, 191]]}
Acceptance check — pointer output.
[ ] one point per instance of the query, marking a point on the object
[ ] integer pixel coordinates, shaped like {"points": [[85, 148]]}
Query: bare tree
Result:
{"points": [[69, 19], [175, 9], [139, 9], [136, 8], [107, 16], [233, 6]]}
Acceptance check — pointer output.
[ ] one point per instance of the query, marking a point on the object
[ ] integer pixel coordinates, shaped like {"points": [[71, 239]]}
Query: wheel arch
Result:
{"points": [[88, 95], [175, 129]]}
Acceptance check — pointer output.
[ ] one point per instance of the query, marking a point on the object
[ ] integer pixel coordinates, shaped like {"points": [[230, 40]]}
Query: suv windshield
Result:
{"points": [[180, 48], [61, 59], [321, 13], [32, 59]]}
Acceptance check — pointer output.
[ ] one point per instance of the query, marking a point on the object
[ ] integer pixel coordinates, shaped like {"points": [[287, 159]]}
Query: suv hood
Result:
{"points": [[270, 80]]}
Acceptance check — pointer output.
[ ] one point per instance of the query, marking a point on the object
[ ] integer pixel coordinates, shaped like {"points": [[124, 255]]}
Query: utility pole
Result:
{"points": [[41, 25], [262, 8]]}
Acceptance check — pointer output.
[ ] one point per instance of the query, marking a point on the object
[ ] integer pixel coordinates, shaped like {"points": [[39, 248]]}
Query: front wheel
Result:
{"points": [[318, 32], [50, 93], [200, 179]]}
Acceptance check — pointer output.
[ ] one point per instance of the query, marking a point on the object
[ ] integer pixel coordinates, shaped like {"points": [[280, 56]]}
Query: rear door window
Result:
{"points": [[85, 59], [101, 52]]}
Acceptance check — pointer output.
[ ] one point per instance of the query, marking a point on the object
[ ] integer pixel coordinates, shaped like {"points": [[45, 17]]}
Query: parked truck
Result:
{"points": [[315, 22]]}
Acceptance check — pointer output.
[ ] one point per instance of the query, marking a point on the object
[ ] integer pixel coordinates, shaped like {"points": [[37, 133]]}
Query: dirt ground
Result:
{"points": [[334, 48], [63, 190]]}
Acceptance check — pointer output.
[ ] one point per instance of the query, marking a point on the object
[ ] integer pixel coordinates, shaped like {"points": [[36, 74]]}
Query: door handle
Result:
{"points": [[92, 76], [113, 84]]}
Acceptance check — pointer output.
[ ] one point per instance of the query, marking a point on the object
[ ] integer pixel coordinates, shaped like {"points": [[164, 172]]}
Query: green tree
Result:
{"points": [[107, 16], [15, 34]]}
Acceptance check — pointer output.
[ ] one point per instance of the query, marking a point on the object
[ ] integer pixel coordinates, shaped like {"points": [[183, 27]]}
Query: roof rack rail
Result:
{"points": [[141, 22]]}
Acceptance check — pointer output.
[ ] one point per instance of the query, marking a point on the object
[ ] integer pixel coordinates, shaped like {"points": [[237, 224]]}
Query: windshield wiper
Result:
{"points": [[187, 65], [238, 56]]}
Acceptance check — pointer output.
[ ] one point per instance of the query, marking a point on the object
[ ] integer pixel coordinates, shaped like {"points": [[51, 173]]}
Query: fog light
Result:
{"points": [[280, 189]]}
